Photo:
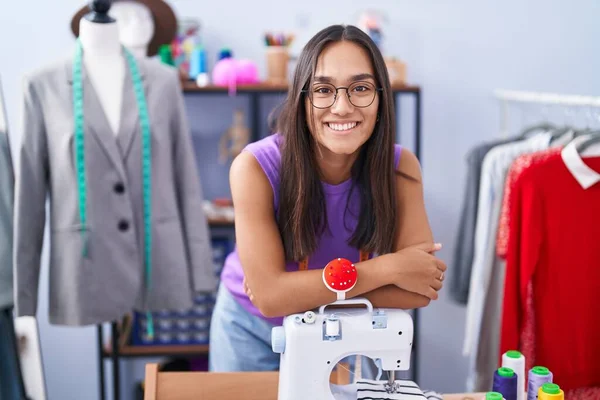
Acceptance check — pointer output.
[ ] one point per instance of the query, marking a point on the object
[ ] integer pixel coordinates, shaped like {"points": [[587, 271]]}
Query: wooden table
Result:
{"points": [[225, 386]]}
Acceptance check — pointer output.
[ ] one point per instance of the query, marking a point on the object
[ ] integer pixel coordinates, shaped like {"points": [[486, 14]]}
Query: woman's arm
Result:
{"points": [[277, 292], [413, 229]]}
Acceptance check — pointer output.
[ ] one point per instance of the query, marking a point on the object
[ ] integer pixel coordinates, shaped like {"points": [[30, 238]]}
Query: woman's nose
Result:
{"points": [[342, 104]]}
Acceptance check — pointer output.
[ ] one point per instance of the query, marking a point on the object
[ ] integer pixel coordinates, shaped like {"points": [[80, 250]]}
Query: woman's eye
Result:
{"points": [[361, 88], [323, 90]]}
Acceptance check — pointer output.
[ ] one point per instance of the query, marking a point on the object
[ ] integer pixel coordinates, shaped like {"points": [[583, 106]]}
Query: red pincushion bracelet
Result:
{"points": [[340, 276]]}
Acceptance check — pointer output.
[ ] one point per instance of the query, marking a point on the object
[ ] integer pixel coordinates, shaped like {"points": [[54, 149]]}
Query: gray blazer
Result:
{"points": [[6, 222], [110, 281]]}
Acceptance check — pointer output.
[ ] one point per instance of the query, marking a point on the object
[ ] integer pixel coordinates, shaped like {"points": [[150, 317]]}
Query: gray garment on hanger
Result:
{"points": [[110, 281], [6, 222], [465, 242]]}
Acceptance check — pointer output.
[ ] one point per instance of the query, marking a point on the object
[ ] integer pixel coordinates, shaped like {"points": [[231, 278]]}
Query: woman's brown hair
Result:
{"points": [[302, 212]]}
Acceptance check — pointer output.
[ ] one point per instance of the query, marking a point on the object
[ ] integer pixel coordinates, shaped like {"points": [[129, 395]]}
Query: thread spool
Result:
{"points": [[505, 382], [197, 62], [550, 391], [538, 375], [493, 396], [332, 327], [516, 361]]}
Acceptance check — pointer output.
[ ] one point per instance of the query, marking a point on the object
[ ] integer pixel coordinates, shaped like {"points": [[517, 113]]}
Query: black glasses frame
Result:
{"points": [[335, 96]]}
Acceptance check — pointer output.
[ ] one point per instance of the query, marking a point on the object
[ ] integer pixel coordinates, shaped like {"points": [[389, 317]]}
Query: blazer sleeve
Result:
{"points": [[190, 198], [31, 183]]}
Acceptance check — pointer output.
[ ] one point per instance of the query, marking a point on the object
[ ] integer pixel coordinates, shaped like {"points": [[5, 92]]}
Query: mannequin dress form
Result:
{"points": [[103, 60], [117, 243], [136, 25]]}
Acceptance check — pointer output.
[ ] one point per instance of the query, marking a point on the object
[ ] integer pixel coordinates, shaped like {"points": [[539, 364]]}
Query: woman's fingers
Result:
{"points": [[247, 290], [437, 284]]}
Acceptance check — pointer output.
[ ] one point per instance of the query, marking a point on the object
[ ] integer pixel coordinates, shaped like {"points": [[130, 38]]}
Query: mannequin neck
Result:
{"points": [[99, 40], [138, 51]]}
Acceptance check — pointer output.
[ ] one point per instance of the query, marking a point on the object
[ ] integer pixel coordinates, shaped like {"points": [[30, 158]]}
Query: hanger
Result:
{"points": [[543, 126], [587, 130], [593, 139], [557, 133]]}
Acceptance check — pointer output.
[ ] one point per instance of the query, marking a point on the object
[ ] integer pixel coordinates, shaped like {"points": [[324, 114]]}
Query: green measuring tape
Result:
{"points": [[79, 148]]}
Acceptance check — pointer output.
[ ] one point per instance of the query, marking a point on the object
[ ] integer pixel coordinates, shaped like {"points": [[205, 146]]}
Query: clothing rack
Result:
{"points": [[547, 98], [541, 98]]}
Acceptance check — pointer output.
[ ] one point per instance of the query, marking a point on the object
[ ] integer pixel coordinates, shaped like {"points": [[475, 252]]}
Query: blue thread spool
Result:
{"points": [[537, 377], [197, 62], [505, 382], [224, 53]]}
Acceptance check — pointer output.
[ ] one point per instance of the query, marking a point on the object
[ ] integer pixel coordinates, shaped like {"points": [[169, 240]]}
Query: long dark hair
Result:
{"points": [[302, 213]]}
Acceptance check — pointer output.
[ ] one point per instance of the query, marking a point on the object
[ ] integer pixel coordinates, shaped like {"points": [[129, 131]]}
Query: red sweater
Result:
{"points": [[554, 244]]}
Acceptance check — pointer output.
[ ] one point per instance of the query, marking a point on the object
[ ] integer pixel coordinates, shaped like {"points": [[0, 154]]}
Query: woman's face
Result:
{"points": [[343, 128]]}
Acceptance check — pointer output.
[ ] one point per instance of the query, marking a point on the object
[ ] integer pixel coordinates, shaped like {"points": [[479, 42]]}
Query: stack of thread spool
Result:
{"points": [[538, 376], [510, 383], [514, 360], [550, 391], [506, 383]]}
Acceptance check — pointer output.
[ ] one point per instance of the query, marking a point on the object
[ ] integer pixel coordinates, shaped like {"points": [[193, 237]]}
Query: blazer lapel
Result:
{"points": [[95, 121], [130, 116]]}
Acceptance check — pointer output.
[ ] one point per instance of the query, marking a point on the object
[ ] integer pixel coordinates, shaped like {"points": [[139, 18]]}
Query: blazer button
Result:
{"points": [[119, 188], [123, 225]]}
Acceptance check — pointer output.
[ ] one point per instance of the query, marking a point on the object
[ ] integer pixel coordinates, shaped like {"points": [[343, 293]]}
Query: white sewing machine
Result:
{"points": [[311, 344]]}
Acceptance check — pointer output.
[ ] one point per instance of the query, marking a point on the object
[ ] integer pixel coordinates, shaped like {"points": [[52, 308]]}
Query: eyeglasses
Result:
{"points": [[360, 94]]}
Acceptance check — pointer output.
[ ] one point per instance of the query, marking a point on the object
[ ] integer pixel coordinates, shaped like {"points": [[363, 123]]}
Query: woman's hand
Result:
{"points": [[418, 270]]}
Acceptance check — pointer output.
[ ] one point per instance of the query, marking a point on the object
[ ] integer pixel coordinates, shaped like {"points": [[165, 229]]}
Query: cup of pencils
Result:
{"points": [[277, 45]]}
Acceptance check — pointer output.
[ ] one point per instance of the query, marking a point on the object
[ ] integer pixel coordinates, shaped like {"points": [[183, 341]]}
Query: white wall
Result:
{"points": [[458, 51]]}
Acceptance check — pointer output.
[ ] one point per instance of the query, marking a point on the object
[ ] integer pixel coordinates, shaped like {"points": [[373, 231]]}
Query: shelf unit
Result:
{"points": [[112, 351]]}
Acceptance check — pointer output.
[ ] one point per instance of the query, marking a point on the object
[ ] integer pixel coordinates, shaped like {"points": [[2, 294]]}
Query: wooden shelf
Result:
{"points": [[220, 222], [406, 88], [191, 87], [157, 351]]}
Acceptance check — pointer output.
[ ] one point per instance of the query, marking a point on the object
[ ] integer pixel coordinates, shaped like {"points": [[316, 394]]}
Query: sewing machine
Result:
{"points": [[311, 344]]}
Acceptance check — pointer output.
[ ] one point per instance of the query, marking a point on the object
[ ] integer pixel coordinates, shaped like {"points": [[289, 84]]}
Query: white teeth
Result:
{"points": [[342, 127]]}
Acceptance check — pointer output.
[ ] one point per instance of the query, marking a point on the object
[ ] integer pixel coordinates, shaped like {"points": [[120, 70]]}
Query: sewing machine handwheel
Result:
{"points": [[357, 300], [278, 339]]}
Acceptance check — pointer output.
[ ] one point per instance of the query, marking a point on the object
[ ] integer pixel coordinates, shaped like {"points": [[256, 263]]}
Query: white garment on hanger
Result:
{"points": [[482, 330], [586, 176]]}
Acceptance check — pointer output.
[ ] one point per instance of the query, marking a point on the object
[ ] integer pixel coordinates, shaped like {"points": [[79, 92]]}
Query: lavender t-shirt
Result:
{"points": [[268, 154]]}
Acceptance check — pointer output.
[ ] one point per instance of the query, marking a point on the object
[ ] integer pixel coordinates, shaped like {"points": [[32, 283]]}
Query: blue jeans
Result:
{"points": [[239, 340]]}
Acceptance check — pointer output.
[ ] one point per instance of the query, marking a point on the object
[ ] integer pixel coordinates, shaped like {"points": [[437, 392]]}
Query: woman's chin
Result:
{"points": [[341, 147], [346, 143]]}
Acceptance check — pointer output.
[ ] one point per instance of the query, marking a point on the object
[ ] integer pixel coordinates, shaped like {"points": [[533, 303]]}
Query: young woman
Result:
{"points": [[332, 183]]}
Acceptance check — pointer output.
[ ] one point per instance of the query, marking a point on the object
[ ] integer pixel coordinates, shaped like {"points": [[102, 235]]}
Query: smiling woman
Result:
{"points": [[330, 184], [348, 107]]}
